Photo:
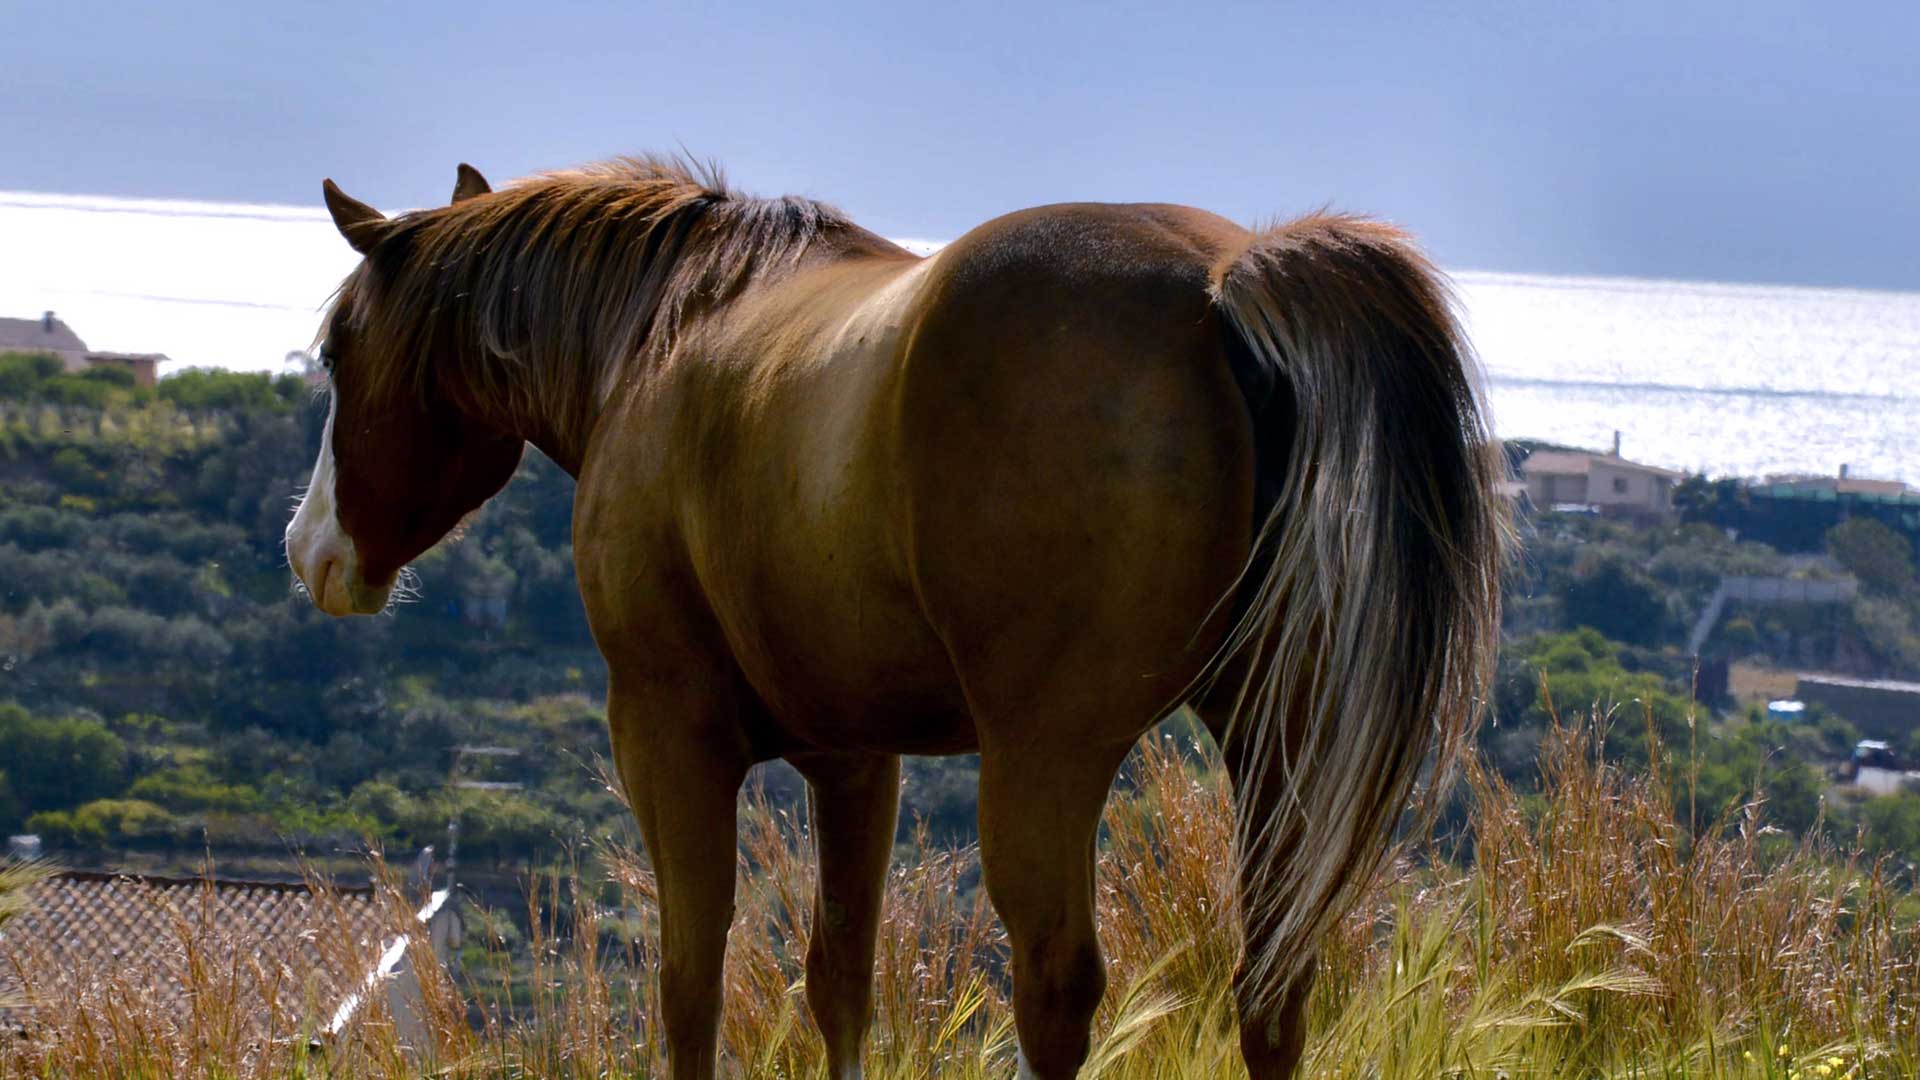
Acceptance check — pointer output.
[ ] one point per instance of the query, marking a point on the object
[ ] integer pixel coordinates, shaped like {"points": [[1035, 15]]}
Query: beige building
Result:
{"points": [[48, 334], [1842, 484], [1605, 481]]}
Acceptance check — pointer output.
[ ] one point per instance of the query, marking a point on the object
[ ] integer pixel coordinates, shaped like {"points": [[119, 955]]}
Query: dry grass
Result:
{"points": [[1587, 936], [1758, 684]]}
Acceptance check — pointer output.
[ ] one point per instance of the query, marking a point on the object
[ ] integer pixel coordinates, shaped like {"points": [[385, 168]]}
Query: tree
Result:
{"points": [[1881, 558], [57, 763], [22, 373], [1701, 500], [1618, 599], [106, 821]]}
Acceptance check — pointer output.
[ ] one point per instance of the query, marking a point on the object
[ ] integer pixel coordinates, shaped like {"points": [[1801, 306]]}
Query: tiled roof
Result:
{"points": [[1580, 463], [35, 335], [1557, 463], [290, 943]]}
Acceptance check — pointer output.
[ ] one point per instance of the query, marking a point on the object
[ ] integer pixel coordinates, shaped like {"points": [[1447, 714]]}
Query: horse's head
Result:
{"points": [[399, 465]]}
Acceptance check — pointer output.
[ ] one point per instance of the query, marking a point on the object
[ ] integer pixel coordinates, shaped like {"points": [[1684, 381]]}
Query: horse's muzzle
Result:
{"points": [[331, 576]]}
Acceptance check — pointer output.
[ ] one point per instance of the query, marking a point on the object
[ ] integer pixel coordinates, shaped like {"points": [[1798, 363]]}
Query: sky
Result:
{"points": [[1760, 141]]}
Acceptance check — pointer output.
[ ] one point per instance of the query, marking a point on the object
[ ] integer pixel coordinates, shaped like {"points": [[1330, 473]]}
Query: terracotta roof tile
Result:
{"points": [[291, 942]]}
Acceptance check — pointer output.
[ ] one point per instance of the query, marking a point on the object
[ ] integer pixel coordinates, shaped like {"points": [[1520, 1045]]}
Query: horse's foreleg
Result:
{"points": [[682, 773], [1039, 810], [855, 802]]}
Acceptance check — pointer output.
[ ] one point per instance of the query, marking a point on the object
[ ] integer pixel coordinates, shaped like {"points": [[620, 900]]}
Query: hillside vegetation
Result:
{"points": [[165, 693], [1668, 888]]}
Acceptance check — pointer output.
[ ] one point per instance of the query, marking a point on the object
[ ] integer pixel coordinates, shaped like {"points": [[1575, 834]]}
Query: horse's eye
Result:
{"points": [[326, 359]]}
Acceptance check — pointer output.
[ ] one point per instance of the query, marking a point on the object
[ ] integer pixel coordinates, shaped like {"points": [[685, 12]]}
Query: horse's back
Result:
{"points": [[1077, 454], [908, 491]]}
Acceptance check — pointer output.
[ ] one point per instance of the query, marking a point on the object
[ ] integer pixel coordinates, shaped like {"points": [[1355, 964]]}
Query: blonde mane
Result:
{"points": [[535, 299]]}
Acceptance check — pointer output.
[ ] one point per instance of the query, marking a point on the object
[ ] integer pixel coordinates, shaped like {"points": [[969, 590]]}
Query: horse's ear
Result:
{"points": [[361, 224], [469, 183]]}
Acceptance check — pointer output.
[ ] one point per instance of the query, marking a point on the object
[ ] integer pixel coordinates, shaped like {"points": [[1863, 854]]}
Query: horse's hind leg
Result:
{"points": [[1039, 810], [677, 747], [855, 802]]}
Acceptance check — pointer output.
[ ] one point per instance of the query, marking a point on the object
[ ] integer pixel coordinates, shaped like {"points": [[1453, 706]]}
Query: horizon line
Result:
{"points": [[292, 213]]}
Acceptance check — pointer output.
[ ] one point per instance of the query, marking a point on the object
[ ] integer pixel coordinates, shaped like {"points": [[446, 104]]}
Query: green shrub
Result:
{"points": [[129, 822], [1881, 558], [1612, 595], [72, 469], [21, 374], [1892, 824], [213, 389], [192, 787], [59, 762]]}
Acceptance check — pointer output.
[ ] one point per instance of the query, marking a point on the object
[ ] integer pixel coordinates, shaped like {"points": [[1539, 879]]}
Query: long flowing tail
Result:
{"points": [[1371, 607]]}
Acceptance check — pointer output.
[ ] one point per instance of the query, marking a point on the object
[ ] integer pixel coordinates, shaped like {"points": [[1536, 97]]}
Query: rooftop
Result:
{"points": [[292, 944], [1581, 462], [44, 334]]}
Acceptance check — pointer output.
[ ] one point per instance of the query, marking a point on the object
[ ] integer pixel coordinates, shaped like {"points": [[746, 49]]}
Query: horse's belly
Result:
{"points": [[859, 673]]}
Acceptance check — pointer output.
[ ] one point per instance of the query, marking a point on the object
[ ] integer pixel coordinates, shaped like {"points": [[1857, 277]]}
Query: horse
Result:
{"points": [[836, 503]]}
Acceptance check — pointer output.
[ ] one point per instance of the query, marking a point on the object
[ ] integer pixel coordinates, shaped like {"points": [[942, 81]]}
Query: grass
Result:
{"points": [[1577, 931]]}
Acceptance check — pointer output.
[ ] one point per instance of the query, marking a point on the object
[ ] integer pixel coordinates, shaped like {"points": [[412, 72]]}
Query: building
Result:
{"points": [[1795, 513], [1880, 709], [48, 334], [317, 954], [1832, 487], [1606, 482]]}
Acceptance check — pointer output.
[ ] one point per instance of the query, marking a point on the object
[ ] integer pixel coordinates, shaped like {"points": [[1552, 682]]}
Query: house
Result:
{"points": [[48, 334], [299, 956], [1606, 482]]}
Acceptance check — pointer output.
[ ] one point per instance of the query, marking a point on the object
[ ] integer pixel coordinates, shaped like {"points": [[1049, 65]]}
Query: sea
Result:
{"points": [[1726, 379]]}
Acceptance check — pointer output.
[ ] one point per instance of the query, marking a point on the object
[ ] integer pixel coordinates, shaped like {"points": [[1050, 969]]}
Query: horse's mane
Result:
{"points": [[586, 270]]}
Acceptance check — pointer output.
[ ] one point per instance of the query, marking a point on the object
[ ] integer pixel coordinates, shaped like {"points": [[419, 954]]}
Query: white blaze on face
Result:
{"points": [[320, 551]]}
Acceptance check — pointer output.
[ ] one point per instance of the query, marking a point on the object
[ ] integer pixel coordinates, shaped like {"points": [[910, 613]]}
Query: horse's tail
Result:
{"points": [[1369, 614]]}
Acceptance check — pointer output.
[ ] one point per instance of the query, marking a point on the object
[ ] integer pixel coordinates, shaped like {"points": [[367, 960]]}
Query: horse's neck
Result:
{"points": [[564, 397], [558, 430], [553, 402]]}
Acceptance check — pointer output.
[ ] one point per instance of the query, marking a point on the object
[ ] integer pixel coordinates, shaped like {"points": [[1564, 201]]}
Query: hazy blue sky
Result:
{"points": [[1756, 140]]}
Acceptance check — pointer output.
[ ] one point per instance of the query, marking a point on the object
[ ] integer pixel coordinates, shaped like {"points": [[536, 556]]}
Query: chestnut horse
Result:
{"points": [[837, 503]]}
